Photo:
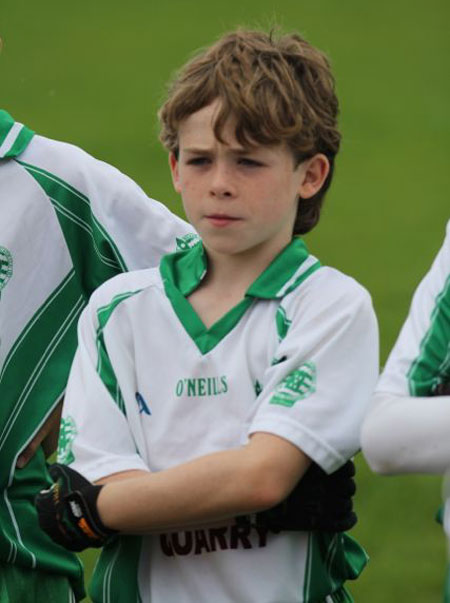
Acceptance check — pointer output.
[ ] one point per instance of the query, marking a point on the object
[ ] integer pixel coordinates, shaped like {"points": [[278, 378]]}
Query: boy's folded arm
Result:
{"points": [[217, 486]]}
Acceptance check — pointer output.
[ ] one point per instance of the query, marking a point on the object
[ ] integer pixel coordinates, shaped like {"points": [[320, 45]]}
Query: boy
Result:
{"points": [[407, 429], [262, 361]]}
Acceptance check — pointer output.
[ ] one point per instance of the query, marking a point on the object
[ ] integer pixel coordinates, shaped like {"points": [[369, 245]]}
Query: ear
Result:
{"points": [[316, 171], [173, 164]]}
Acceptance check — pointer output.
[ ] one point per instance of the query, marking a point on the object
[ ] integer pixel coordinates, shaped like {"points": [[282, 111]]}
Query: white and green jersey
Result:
{"points": [[69, 222], [151, 387], [420, 358]]}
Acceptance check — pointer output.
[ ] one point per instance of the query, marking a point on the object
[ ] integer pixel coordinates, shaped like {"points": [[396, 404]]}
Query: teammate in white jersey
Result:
{"points": [[408, 426], [69, 222], [260, 362]]}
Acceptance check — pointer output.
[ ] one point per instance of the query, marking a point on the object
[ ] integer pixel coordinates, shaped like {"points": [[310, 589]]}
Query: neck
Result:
{"points": [[234, 273]]}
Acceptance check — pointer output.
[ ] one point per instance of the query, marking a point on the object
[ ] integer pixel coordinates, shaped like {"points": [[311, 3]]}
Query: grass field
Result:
{"points": [[94, 73]]}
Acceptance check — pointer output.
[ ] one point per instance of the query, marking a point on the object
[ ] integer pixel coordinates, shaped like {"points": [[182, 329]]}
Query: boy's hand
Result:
{"points": [[319, 502], [68, 511]]}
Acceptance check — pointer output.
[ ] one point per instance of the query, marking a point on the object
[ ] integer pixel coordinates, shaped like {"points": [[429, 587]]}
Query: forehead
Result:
{"points": [[199, 127], [196, 132]]}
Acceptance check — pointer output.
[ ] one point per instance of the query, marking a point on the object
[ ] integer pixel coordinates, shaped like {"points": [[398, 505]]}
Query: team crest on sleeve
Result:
{"points": [[298, 385], [187, 241], [67, 434], [6, 267]]}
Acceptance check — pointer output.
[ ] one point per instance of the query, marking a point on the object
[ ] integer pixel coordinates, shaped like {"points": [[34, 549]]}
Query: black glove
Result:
{"points": [[68, 511], [319, 502]]}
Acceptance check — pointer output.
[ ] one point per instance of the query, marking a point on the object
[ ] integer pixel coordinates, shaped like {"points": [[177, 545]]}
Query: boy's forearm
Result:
{"points": [[211, 488]]}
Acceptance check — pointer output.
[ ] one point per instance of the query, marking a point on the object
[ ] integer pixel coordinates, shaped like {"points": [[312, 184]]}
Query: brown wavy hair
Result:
{"points": [[278, 90]]}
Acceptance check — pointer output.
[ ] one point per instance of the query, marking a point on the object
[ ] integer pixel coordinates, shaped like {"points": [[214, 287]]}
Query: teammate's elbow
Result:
{"points": [[376, 450]]}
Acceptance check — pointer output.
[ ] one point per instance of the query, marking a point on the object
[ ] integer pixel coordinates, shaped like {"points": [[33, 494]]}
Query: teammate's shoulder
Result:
{"points": [[72, 165]]}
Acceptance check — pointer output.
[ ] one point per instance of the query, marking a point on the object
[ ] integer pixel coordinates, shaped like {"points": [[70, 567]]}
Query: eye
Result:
{"points": [[198, 161], [248, 162]]}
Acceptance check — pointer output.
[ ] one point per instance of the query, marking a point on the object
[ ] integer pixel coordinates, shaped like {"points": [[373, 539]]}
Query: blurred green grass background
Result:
{"points": [[94, 73]]}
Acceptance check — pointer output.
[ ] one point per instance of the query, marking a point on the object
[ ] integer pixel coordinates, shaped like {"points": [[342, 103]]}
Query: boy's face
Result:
{"points": [[239, 200]]}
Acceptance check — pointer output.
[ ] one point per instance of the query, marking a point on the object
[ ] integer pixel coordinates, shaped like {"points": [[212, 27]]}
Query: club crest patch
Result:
{"points": [[67, 434], [298, 385], [6, 267], [187, 241]]}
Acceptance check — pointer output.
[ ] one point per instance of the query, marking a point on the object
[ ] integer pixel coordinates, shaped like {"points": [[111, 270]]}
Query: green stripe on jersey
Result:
{"points": [[32, 380], [115, 578], [432, 365], [104, 366], [94, 254], [35, 372]]}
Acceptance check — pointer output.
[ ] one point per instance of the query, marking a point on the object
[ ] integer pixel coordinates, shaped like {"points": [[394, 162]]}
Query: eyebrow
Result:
{"points": [[234, 150]]}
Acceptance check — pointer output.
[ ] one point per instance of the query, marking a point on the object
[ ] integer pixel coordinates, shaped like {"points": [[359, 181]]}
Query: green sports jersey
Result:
{"points": [[69, 222]]}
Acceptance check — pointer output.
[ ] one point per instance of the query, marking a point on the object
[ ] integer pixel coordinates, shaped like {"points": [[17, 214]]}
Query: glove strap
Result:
{"points": [[82, 504]]}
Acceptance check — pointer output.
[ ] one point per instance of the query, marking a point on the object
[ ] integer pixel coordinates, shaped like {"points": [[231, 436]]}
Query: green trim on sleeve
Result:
{"points": [[105, 369], [14, 136], [432, 365]]}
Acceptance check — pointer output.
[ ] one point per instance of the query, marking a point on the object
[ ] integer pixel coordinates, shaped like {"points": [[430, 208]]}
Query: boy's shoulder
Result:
{"points": [[329, 290], [123, 286]]}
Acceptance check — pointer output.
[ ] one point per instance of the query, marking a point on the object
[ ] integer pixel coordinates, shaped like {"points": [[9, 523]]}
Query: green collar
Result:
{"points": [[183, 271], [14, 136], [186, 269]]}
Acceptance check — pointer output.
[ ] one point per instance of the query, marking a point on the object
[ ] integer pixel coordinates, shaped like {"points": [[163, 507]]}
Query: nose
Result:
{"points": [[222, 182]]}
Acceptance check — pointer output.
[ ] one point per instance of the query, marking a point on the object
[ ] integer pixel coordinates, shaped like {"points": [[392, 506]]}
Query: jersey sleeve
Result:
{"points": [[420, 359], [316, 392], [95, 435], [109, 223]]}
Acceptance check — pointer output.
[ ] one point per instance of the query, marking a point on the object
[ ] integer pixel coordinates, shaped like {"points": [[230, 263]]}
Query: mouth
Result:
{"points": [[220, 220]]}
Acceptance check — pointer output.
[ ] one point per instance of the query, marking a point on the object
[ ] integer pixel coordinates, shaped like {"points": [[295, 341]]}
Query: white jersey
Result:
{"points": [[69, 222], [296, 358]]}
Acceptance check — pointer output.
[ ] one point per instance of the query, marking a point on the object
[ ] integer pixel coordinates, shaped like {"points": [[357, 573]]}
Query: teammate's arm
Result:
{"points": [[405, 434]]}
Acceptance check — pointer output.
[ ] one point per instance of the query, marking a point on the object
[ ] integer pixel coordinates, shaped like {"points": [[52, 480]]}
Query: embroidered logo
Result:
{"points": [[6, 267], [202, 386], [142, 404], [187, 241], [67, 434], [298, 385]]}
